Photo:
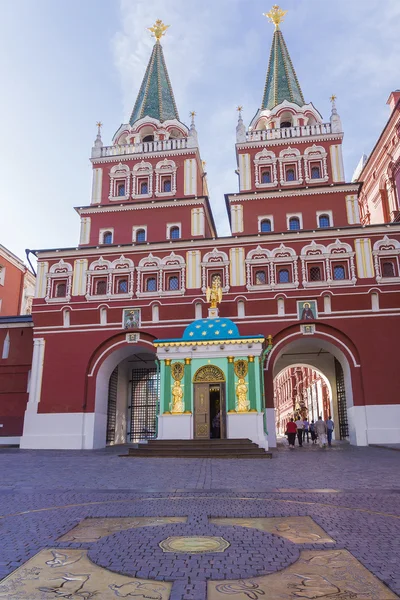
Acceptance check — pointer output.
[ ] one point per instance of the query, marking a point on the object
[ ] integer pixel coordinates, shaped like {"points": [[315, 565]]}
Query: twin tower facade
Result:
{"points": [[300, 267]]}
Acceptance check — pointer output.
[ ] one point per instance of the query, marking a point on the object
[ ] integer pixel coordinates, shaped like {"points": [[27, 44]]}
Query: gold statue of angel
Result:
{"points": [[214, 293]]}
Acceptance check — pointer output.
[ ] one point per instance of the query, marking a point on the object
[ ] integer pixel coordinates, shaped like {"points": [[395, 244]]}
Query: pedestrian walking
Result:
{"points": [[300, 427], [306, 430], [320, 430], [330, 426], [291, 430], [312, 431]]}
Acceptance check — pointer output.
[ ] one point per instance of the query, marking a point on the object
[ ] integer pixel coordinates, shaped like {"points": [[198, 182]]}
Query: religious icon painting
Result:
{"points": [[131, 318], [307, 310]]}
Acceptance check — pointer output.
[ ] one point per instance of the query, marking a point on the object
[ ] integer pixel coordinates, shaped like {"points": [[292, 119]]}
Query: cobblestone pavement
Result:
{"points": [[352, 493]]}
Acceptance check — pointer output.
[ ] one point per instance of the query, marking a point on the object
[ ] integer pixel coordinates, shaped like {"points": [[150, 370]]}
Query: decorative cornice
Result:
{"points": [[284, 141], [163, 344], [264, 195], [145, 206], [142, 155]]}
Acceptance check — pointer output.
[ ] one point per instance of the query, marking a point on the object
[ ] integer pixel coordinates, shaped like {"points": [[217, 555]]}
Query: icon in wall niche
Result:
{"points": [[131, 318], [307, 310]]}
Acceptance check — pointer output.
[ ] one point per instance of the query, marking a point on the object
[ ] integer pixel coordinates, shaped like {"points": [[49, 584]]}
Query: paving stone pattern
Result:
{"points": [[362, 515]]}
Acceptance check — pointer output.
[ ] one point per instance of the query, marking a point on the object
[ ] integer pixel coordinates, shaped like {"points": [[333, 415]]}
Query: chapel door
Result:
{"points": [[202, 411]]}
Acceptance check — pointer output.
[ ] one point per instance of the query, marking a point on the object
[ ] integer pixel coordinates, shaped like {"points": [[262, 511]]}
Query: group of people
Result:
{"points": [[320, 430]]}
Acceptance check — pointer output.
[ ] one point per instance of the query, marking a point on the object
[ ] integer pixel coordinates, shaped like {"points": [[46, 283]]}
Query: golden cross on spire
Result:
{"points": [[276, 15], [158, 29], [99, 125]]}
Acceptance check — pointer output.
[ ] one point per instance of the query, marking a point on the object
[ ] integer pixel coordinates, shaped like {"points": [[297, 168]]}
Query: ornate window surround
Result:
{"points": [[165, 167], [150, 265], [283, 256], [142, 169], [118, 172], [59, 271], [211, 260], [110, 271], [310, 254], [265, 158], [317, 154], [386, 248], [173, 263], [345, 253], [258, 259], [290, 156]]}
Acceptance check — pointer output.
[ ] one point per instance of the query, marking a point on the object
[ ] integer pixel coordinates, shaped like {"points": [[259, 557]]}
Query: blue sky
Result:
{"points": [[66, 64]]}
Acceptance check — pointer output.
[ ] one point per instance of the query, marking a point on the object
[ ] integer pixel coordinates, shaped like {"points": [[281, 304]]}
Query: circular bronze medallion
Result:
{"points": [[194, 544]]}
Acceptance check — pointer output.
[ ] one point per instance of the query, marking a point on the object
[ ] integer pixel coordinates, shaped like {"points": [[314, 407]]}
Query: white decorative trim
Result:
{"points": [[264, 218], [165, 167], [265, 159], [321, 213], [61, 270], [117, 173], [390, 249], [289, 216], [142, 169], [135, 230], [101, 235], [288, 156], [315, 153], [211, 260], [169, 227]]}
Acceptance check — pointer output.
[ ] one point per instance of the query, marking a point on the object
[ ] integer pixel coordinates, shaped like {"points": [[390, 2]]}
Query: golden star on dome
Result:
{"points": [[216, 332], [191, 333], [223, 325], [158, 29], [230, 332], [276, 15], [197, 326], [211, 326], [204, 333]]}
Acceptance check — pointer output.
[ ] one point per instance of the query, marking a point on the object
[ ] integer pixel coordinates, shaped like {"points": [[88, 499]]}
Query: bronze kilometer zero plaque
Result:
{"points": [[194, 544]]}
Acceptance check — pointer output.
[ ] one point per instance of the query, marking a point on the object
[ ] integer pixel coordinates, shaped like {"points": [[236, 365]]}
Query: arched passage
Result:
{"points": [[123, 391], [301, 389], [336, 358]]}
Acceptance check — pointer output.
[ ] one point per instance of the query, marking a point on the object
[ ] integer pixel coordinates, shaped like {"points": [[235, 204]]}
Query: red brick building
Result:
{"points": [[300, 266]]}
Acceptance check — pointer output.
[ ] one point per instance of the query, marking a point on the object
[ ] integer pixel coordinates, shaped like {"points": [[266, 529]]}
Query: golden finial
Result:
{"points": [[192, 114], [239, 108], [276, 15], [333, 98], [99, 125], [158, 29]]}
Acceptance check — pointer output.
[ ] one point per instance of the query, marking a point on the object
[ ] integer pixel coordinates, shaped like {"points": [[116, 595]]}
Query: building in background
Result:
{"points": [[302, 266], [17, 288]]}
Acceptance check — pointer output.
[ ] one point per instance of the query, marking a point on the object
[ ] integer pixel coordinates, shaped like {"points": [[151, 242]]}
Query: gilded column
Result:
{"points": [[252, 384], [166, 396], [187, 382], [230, 392]]}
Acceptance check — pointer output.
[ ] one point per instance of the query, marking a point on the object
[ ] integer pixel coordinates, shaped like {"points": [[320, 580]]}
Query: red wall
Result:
{"points": [[11, 291], [14, 379]]}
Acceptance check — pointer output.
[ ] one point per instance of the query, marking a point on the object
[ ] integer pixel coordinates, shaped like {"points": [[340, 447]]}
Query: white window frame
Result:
{"points": [[169, 227], [117, 173], [60, 270], [2, 274], [135, 230], [165, 168], [328, 213], [290, 216], [386, 249], [142, 170], [104, 230], [264, 218]]}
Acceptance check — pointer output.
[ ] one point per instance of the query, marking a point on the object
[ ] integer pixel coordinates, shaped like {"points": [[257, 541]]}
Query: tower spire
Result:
{"points": [[155, 98], [281, 82]]}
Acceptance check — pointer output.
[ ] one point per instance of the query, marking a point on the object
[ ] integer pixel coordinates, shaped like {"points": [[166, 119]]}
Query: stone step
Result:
{"points": [[242, 448], [139, 453]]}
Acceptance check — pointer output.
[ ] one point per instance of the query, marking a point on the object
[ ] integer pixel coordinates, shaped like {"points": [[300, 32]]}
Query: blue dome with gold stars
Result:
{"points": [[211, 329]]}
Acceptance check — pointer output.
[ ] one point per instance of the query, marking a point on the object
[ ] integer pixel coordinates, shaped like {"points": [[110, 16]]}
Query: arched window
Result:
{"points": [[324, 221], [122, 286], [339, 272], [61, 290], [144, 187], [283, 276], [167, 185], [294, 223], [315, 172], [148, 138], [173, 283], [121, 189], [290, 176], [174, 233], [315, 274], [101, 287], [265, 226], [266, 176], [107, 237], [388, 269], [140, 235], [151, 284], [286, 124], [261, 278]]}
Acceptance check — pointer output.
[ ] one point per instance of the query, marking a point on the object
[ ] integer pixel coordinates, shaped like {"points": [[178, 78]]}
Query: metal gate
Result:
{"points": [[112, 406], [143, 407], [341, 401]]}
